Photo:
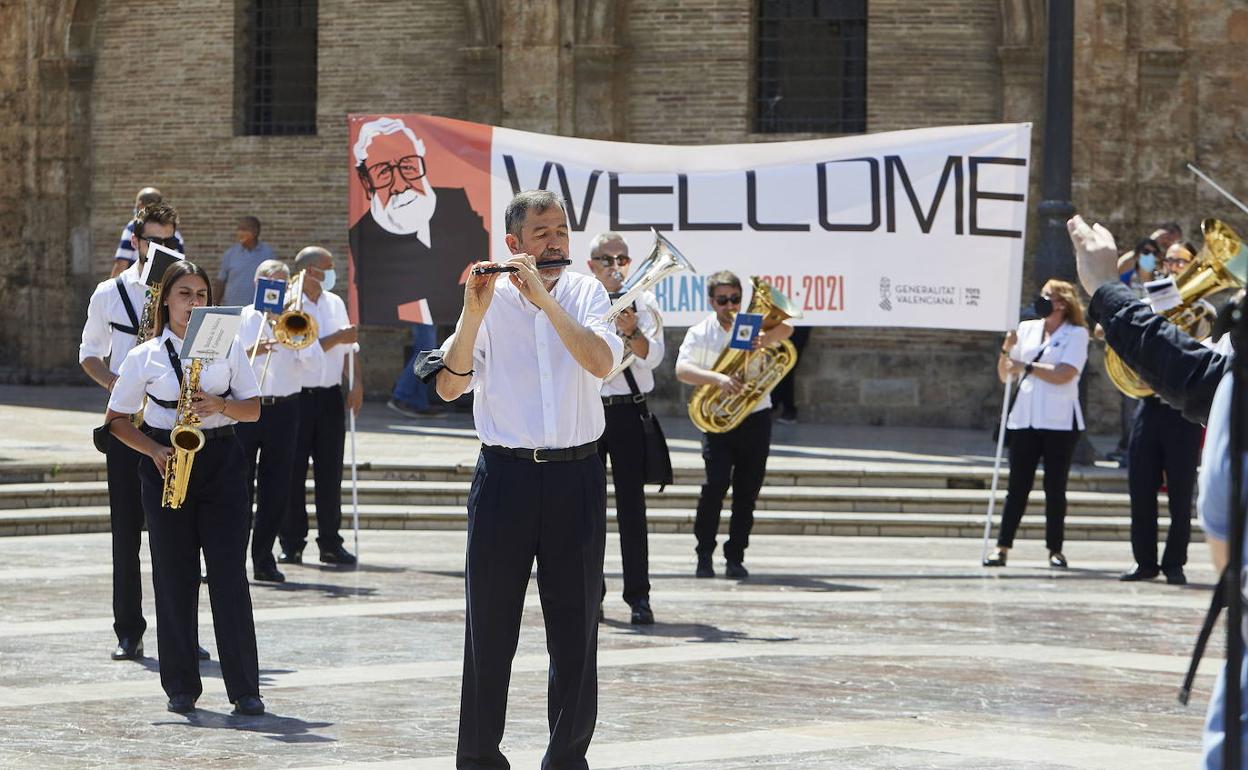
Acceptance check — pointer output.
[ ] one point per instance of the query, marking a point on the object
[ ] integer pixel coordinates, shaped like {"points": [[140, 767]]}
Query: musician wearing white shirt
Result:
{"points": [[624, 440], [112, 326], [737, 457], [533, 347], [280, 372], [322, 417], [214, 515]]}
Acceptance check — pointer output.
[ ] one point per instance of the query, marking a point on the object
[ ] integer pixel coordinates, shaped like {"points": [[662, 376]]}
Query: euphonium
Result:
{"points": [[294, 328], [1221, 260], [185, 438], [716, 411], [663, 260]]}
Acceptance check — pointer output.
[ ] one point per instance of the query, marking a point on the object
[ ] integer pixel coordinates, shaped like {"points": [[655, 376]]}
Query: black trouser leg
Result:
{"points": [[125, 514], [1025, 450], [327, 450], [751, 445], [624, 440], [1144, 467], [1059, 450], [783, 393], [717, 456], [294, 528], [503, 532], [221, 516], [569, 572], [1182, 455], [277, 428]]}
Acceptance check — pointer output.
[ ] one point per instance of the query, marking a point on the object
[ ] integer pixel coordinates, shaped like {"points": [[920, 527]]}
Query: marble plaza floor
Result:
{"points": [[837, 653]]}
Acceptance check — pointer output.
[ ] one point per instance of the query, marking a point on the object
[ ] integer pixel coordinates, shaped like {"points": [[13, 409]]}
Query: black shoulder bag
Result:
{"points": [[657, 460]]}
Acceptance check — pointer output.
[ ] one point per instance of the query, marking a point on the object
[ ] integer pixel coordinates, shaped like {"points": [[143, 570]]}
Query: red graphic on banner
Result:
{"points": [[419, 208]]}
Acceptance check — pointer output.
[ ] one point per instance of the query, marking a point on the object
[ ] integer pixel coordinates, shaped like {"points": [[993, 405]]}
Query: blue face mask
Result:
{"points": [[1148, 262], [327, 283]]}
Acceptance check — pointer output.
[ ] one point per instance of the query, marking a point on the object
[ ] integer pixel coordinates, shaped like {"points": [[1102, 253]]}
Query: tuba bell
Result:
{"points": [[1216, 268], [295, 328], [664, 259], [714, 411]]}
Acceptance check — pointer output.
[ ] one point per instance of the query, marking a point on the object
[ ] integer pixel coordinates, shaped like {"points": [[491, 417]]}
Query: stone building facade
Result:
{"points": [[101, 97]]}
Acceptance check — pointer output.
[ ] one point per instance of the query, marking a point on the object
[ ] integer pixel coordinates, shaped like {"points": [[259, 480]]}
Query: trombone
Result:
{"points": [[295, 328]]}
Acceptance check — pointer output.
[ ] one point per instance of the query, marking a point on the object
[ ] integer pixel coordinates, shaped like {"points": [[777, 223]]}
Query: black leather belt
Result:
{"points": [[162, 435], [627, 398], [270, 400], [322, 387], [545, 455]]}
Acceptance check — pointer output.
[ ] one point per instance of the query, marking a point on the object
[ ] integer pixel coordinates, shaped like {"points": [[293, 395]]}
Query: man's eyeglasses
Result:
{"points": [[411, 168], [733, 299], [608, 260], [171, 242], [1175, 261]]}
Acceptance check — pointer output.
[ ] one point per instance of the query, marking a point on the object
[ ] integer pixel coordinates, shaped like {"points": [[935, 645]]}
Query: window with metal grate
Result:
{"points": [[276, 67]]}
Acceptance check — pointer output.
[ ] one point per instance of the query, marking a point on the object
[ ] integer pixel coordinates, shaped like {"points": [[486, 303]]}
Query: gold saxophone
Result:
{"points": [[716, 411], [185, 438]]}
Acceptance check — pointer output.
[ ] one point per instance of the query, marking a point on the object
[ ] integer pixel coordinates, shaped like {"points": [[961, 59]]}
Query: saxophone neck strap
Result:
{"points": [[174, 361]]}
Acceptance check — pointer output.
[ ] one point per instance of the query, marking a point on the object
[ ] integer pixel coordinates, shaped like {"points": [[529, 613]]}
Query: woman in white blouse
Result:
{"points": [[1044, 357], [214, 516]]}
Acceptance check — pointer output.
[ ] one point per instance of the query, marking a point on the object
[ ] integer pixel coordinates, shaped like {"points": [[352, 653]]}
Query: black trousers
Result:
{"points": [[273, 436], [213, 519], [555, 512], [624, 442], [1027, 448], [783, 394], [125, 515], [739, 458], [322, 431], [1162, 441]]}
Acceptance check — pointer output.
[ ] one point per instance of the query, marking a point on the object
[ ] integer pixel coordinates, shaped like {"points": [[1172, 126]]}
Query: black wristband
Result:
{"points": [[457, 374], [1028, 368]]}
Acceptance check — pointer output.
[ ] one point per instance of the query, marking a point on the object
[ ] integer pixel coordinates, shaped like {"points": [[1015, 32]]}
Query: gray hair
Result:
{"points": [[271, 266], [309, 255], [602, 239], [537, 200]]}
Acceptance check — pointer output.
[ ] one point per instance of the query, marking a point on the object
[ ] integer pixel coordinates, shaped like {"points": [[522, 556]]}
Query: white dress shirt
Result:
{"points": [[99, 338], [147, 369], [703, 343], [330, 314], [1043, 405], [288, 368], [642, 368], [529, 392]]}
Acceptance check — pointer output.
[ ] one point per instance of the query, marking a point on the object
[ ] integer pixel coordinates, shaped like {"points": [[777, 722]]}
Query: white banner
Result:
{"points": [[921, 228]]}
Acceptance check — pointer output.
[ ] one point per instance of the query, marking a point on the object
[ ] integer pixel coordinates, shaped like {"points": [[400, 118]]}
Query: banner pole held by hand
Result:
{"points": [[355, 486]]}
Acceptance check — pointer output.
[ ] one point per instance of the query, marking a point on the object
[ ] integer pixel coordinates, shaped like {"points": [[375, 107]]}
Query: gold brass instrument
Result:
{"points": [[1216, 268], [186, 439], [716, 411], [663, 260], [295, 328]]}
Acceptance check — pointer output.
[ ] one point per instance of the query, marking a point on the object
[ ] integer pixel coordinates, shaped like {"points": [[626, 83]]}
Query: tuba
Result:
{"points": [[186, 439], [1216, 268], [294, 328], [663, 260], [714, 411]]}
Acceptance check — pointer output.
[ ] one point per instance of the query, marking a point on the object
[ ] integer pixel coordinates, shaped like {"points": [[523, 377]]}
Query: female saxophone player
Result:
{"points": [[214, 515]]}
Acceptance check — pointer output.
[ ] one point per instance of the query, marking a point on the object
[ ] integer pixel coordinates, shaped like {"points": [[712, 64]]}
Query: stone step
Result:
{"points": [[903, 475], [676, 496], [61, 520]]}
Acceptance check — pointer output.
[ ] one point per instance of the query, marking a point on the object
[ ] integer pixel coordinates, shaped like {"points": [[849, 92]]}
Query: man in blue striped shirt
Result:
{"points": [[125, 255]]}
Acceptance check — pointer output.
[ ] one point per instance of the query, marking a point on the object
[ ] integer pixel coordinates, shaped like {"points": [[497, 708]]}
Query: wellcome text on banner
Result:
{"points": [[920, 228]]}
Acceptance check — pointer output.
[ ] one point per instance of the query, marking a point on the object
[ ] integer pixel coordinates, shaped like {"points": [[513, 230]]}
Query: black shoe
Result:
{"points": [[181, 704], [1175, 576], [642, 614], [128, 649], [705, 569], [997, 559], [788, 416], [201, 653], [1137, 573], [249, 706], [268, 575], [338, 555], [292, 557], [1056, 560], [736, 570]]}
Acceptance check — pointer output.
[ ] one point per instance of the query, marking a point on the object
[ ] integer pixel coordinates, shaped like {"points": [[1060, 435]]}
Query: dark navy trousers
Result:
{"points": [[125, 516], [269, 485]]}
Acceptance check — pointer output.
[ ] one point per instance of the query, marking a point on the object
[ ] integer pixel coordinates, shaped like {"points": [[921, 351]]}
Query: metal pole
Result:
{"points": [[355, 482], [996, 467], [1055, 257]]}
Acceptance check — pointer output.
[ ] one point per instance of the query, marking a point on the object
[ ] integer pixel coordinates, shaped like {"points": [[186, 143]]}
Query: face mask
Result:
{"points": [[1148, 262], [327, 283], [1043, 306]]}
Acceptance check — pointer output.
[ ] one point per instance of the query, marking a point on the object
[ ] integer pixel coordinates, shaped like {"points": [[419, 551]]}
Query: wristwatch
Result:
{"points": [[1028, 368]]}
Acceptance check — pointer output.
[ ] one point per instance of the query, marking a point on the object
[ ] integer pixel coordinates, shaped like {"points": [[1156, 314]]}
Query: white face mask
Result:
{"points": [[327, 283]]}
